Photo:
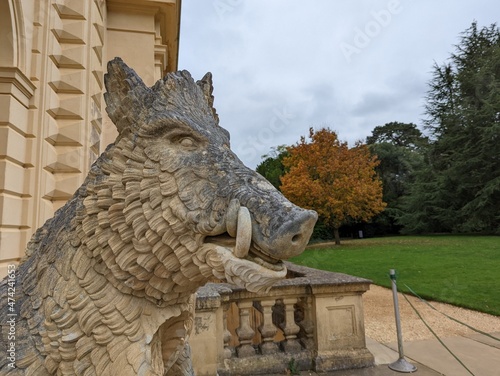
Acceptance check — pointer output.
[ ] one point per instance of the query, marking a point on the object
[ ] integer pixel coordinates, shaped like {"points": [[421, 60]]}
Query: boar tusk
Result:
{"points": [[243, 233], [232, 217]]}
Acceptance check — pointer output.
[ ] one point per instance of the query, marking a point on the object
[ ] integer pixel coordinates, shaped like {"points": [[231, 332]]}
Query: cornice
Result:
{"points": [[14, 76]]}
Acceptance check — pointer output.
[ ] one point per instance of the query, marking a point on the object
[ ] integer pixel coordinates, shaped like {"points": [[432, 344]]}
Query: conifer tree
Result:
{"points": [[459, 189]]}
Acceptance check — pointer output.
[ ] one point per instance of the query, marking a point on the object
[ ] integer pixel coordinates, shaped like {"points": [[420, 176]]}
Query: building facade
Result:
{"points": [[53, 124]]}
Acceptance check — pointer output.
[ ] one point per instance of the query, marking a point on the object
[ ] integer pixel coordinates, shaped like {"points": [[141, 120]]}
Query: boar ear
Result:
{"points": [[126, 94], [207, 87]]}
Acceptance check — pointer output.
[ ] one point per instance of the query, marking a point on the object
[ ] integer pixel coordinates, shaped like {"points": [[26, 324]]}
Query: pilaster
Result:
{"points": [[16, 163]]}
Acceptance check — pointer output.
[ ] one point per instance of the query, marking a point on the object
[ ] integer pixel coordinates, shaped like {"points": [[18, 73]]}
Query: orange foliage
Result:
{"points": [[339, 183]]}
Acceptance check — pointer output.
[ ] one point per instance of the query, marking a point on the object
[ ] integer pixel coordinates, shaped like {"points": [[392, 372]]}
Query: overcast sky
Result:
{"points": [[282, 66]]}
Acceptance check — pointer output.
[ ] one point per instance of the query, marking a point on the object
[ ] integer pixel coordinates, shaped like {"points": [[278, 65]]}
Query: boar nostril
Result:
{"points": [[289, 238]]}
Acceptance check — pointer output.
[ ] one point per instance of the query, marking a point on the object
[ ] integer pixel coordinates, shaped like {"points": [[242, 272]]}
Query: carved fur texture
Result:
{"points": [[107, 284]]}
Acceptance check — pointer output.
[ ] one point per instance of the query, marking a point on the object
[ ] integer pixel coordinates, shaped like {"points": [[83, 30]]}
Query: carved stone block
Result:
{"points": [[107, 285]]}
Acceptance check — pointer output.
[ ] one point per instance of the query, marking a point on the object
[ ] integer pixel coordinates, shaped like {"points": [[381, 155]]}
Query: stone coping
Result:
{"points": [[301, 280]]}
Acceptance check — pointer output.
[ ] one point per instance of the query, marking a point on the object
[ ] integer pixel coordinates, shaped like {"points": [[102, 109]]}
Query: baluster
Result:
{"points": [[290, 328], [307, 324], [228, 350], [245, 332], [267, 329]]}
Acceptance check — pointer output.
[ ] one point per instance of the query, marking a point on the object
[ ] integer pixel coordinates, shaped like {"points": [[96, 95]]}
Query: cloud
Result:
{"points": [[285, 56]]}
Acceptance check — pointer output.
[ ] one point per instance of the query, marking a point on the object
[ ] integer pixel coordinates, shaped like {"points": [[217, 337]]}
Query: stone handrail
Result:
{"points": [[313, 320]]}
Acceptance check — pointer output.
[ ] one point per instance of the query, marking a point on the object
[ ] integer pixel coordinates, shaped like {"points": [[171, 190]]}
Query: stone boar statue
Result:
{"points": [[107, 286]]}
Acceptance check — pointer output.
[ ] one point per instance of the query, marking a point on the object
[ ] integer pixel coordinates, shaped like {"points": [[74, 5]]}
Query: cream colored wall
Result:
{"points": [[136, 27], [16, 131], [52, 117]]}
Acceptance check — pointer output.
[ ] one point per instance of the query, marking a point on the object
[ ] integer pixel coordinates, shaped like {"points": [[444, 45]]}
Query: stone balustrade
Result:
{"points": [[313, 320]]}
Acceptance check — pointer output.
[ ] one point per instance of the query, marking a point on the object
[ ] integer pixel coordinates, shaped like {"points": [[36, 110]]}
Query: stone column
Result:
{"points": [[307, 324], [16, 165], [228, 350], [245, 332], [267, 329], [290, 328]]}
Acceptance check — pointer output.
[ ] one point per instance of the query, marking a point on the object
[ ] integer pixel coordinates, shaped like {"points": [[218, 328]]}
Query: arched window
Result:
{"points": [[12, 35], [7, 40]]}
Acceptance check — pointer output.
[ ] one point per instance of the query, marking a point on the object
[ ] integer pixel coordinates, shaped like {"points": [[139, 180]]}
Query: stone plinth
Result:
{"points": [[313, 318]]}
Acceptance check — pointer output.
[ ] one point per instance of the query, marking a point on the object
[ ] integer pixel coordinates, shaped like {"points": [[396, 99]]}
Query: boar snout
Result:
{"points": [[290, 238]]}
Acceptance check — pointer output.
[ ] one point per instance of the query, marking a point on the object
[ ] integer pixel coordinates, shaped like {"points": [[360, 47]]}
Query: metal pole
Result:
{"points": [[400, 365]]}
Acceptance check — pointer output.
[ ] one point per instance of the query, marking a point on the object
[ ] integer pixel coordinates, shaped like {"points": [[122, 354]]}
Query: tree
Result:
{"points": [[339, 183], [405, 135], [272, 166], [459, 188], [398, 147]]}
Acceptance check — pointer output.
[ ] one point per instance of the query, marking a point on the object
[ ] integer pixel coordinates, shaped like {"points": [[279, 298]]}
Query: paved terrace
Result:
{"points": [[479, 353]]}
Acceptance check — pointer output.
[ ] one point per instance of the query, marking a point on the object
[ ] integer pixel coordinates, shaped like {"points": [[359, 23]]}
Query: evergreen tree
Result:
{"points": [[405, 135], [272, 166], [459, 189], [398, 147]]}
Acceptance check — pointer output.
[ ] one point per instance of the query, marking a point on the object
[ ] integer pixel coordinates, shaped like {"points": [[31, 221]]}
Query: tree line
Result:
{"points": [[445, 178]]}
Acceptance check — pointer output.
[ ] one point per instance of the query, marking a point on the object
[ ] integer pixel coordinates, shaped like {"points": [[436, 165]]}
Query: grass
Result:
{"points": [[460, 270]]}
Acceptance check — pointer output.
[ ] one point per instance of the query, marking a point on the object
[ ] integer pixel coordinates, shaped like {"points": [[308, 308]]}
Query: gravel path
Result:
{"points": [[380, 322]]}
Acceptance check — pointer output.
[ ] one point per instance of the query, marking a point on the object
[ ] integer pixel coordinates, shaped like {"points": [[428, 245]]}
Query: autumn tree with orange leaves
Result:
{"points": [[339, 182]]}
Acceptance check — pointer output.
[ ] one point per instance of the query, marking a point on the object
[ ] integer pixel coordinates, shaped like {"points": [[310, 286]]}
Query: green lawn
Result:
{"points": [[461, 270]]}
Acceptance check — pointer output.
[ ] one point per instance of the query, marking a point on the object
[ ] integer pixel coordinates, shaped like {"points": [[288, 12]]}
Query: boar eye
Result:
{"points": [[187, 142]]}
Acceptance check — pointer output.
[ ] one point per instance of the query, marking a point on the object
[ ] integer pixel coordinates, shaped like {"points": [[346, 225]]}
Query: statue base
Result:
{"points": [[313, 318]]}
